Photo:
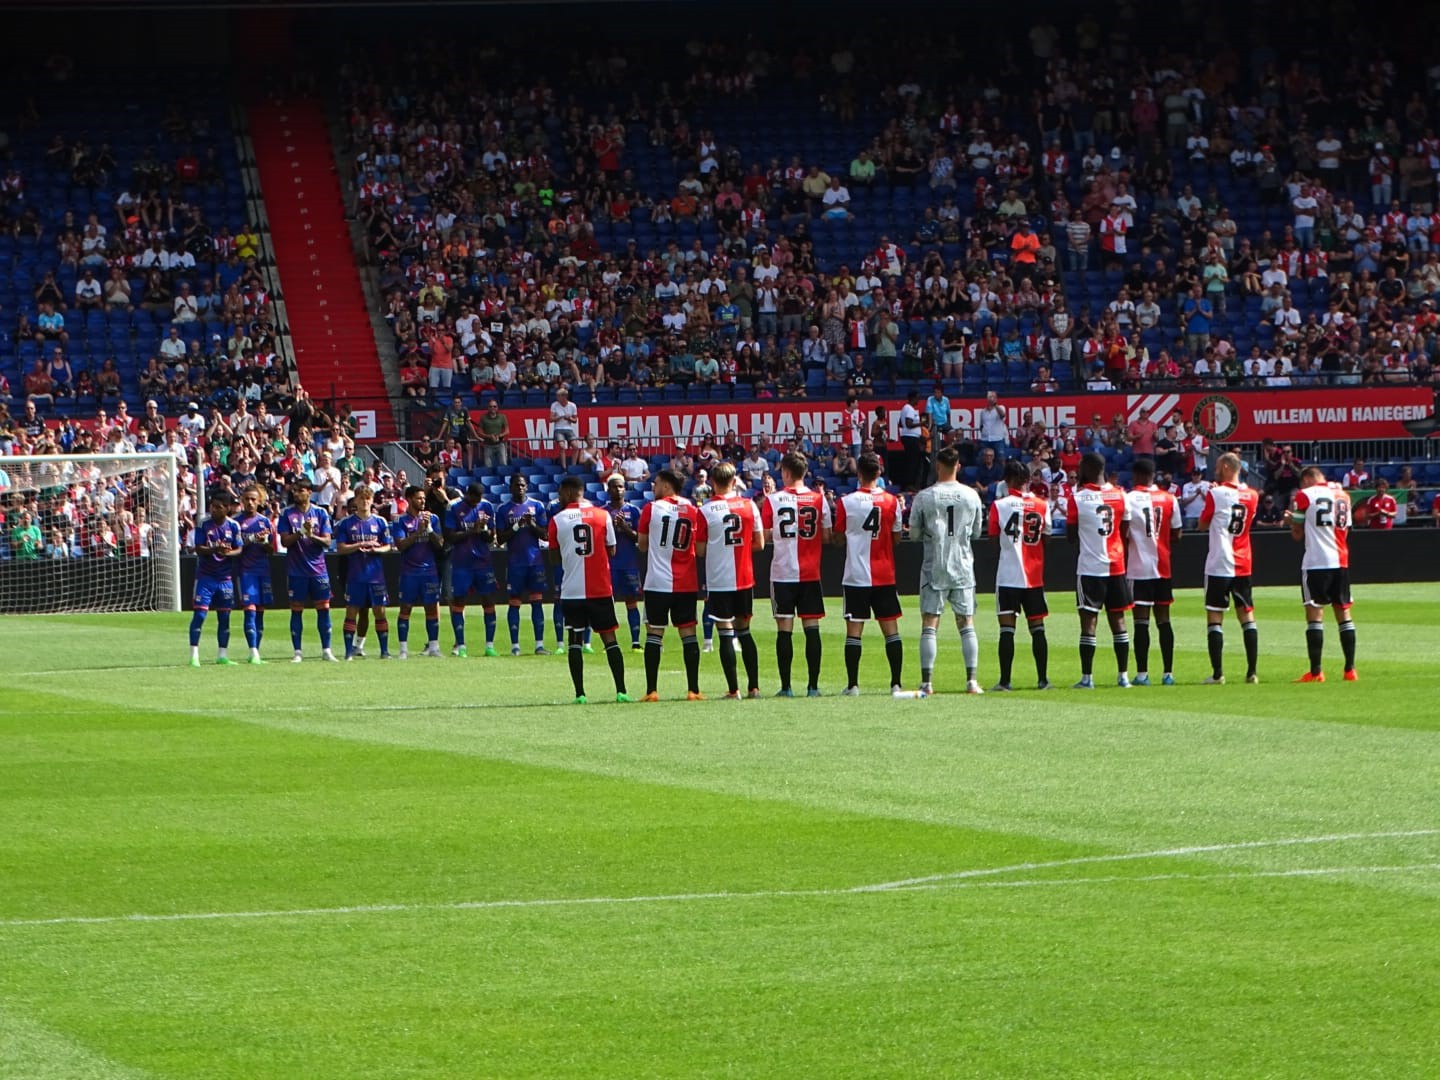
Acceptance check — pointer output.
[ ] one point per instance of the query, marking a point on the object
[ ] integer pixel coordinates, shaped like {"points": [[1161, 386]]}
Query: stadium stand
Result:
{"points": [[127, 266], [744, 221], [617, 239]]}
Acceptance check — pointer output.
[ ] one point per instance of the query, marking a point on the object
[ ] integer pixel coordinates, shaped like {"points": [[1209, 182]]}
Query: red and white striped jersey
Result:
{"points": [[870, 520], [671, 527], [1020, 521], [1325, 511], [1095, 513], [1228, 513], [797, 519], [729, 526], [1154, 515], [584, 534]]}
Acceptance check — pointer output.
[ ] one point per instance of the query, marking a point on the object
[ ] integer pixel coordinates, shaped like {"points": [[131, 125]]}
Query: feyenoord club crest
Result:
{"points": [[1216, 415]]}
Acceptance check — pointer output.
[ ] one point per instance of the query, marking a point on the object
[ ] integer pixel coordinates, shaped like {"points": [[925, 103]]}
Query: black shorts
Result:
{"points": [[871, 601], [797, 600], [1325, 588], [596, 614], [671, 609], [1094, 593], [1153, 592], [1013, 600], [736, 604], [1219, 591]]}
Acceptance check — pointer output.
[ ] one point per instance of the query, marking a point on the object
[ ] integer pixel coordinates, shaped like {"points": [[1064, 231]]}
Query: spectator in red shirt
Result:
{"points": [[1381, 508], [1141, 433]]}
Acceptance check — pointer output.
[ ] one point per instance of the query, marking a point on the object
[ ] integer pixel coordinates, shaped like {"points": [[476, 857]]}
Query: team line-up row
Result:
{"points": [[1124, 539]]}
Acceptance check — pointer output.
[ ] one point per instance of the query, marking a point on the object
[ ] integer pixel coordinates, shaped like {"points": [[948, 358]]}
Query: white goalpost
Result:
{"points": [[90, 533]]}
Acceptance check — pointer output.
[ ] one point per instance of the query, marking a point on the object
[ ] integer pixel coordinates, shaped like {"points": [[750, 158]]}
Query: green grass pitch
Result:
{"points": [[444, 869]]}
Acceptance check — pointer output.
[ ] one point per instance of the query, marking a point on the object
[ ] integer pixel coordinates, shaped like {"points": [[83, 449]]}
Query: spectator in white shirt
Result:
{"points": [[186, 308], [1192, 497], [1287, 320], [836, 200], [565, 422], [173, 347], [635, 468], [88, 291]]}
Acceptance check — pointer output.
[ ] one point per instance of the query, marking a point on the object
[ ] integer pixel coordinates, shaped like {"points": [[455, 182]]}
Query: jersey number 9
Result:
{"points": [[584, 540]]}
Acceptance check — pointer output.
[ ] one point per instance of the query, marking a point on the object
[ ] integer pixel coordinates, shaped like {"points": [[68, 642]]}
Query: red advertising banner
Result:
{"points": [[1247, 416]]}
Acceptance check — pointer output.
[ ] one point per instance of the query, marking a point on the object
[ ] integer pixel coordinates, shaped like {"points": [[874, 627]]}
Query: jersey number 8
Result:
{"points": [[1235, 526]]}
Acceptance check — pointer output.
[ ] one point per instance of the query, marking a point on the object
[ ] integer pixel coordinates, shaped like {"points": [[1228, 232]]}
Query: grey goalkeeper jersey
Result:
{"points": [[946, 517]]}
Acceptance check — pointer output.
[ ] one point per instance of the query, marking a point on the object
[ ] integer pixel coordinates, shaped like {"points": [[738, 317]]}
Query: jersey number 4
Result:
{"points": [[871, 524]]}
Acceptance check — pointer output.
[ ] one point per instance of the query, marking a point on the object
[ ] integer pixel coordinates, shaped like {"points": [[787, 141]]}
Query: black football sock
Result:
{"points": [[1347, 643], [690, 650], [1087, 654], [1252, 648], [1167, 647], [750, 656], [727, 659], [1121, 641], [616, 657], [1040, 646], [895, 653], [853, 647], [1007, 653], [812, 655], [1315, 645], [1142, 646], [1215, 639], [784, 655], [577, 665], [653, 644]]}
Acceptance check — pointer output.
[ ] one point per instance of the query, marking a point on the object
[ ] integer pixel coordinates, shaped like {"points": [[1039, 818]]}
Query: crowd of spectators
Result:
{"points": [[526, 241], [217, 452], [128, 270]]}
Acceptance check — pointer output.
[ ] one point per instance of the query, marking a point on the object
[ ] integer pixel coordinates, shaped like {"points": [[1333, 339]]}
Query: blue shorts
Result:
{"points": [[472, 584], [420, 588], [217, 593], [366, 594], [255, 589], [625, 584], [304, 589], [525, 580]]}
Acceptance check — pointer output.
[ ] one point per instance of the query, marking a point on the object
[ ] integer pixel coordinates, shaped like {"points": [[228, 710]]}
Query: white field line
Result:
{"points": [[965, 879], [1176, 852]]}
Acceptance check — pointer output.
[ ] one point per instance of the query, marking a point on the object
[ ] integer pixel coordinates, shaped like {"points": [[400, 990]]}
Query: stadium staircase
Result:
{"points": [[335, 350]]}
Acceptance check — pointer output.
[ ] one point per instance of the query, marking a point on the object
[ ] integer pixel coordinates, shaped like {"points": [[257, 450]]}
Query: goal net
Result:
{"points": [[92, 532]]}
